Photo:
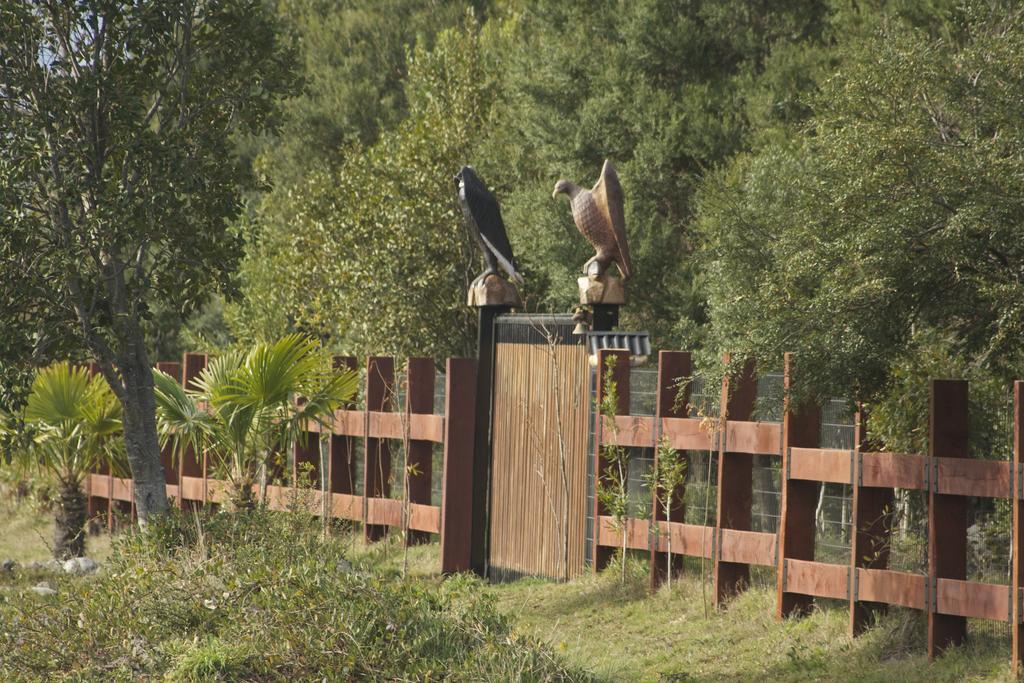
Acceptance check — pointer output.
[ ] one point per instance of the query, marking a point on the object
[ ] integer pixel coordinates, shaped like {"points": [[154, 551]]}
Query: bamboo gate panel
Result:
{"points": [[865, 583], [539, 449], [417, 426]]}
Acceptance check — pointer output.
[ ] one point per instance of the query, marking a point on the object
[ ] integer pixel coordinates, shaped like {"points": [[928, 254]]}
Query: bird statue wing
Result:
{"points": [[608, 195], [484, 208]]}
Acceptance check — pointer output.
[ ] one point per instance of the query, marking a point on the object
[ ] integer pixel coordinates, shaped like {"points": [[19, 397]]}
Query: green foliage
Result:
{"points": [[245, 405], [260, 596], [117, 170], [612, 488], [667, 475], [896, 209], [74, 423], [372, 256]]}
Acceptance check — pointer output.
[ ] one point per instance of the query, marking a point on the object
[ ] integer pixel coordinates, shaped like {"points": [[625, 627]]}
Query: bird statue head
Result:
{"points": [[466, 172], [560, 187]]}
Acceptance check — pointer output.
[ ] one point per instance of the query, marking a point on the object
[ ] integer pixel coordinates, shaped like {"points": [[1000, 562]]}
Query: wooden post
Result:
{"points": [[380, 383], [457, 518], [341, 463], [947, 514], [486, 350], [1017, 582], [620, 376], [870, 529], [800, 429], [419, 400], [675, 372], [193, 364], [735, 482]]}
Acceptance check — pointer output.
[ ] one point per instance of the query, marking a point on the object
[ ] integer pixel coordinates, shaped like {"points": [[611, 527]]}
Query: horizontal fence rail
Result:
{"points": [[191, 481], [730, 547]]}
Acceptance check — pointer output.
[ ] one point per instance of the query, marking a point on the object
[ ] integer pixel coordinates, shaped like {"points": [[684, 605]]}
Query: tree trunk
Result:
{"points": [[140, 435], [69, 521]]}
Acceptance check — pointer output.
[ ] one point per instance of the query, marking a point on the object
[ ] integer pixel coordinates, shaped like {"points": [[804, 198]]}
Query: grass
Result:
{"points": [[26, 534], [591, 624], [623, 633]]}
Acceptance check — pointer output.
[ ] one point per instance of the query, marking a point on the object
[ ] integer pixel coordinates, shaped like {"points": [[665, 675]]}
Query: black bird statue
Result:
{"points": [[484, 219]]}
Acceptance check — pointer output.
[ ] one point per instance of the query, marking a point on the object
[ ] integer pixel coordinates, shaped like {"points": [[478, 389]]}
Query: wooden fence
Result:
{"points": [[946, 472], [417, 426]]}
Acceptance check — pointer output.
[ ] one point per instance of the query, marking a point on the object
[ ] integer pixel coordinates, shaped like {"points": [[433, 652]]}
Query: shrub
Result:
{"points": [[257, 595]]}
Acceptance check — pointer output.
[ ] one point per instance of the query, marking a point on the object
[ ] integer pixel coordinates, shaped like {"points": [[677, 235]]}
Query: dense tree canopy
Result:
{"points": [[896, 210], [119, 179]]}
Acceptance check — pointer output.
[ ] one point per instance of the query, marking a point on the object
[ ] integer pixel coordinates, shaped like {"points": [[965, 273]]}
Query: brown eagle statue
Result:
{"points": [[599, 215]]}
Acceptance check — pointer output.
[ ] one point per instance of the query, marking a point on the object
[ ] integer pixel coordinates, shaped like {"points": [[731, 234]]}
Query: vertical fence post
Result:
{"points": [[419, 400], [800, 428], [341, 462], [674, 378], [620, 376], [380, 383], [1017, 548], [735, 481], [947, 514], [870, 529], [189, 466], [457, 518]]}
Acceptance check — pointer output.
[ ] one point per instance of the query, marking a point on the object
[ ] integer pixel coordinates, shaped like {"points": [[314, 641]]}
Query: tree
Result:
{"points": [[895, 212], [373, 256], [249, 405], [118, 178], [75, 423]]}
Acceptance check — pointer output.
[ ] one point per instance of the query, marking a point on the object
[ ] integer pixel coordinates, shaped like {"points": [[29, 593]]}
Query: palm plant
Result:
{"points": [[245, 406], [75, 425]]}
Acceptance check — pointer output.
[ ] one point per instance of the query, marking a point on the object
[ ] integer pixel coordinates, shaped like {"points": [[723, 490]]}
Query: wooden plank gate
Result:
{"points": [[539, 448]]}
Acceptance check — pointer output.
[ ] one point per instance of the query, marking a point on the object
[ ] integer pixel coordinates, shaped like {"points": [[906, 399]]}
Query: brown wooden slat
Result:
{"points": [[891, 587], [973, 599], [386, 425], [948, 430], [426, 427], [347, 506], [191, 488], [1017, 542], [425, 518], [747, 547], [758, 438], [216, 490], [172, 490], [636, 534], [95, 485], [687, 433], [384, 512], [457, 519], [675, 371], [893, 470], [348, 422], [278, 497], [820, 464], [692, 540], [122, 489], [819, 579], [965, 477], [632, 431]]}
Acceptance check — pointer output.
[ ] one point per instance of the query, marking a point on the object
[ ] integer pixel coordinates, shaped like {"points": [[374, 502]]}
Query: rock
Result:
{"points": [[8, 565], [50, 565], [44, 588], [80, 565], [345, 567]]}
